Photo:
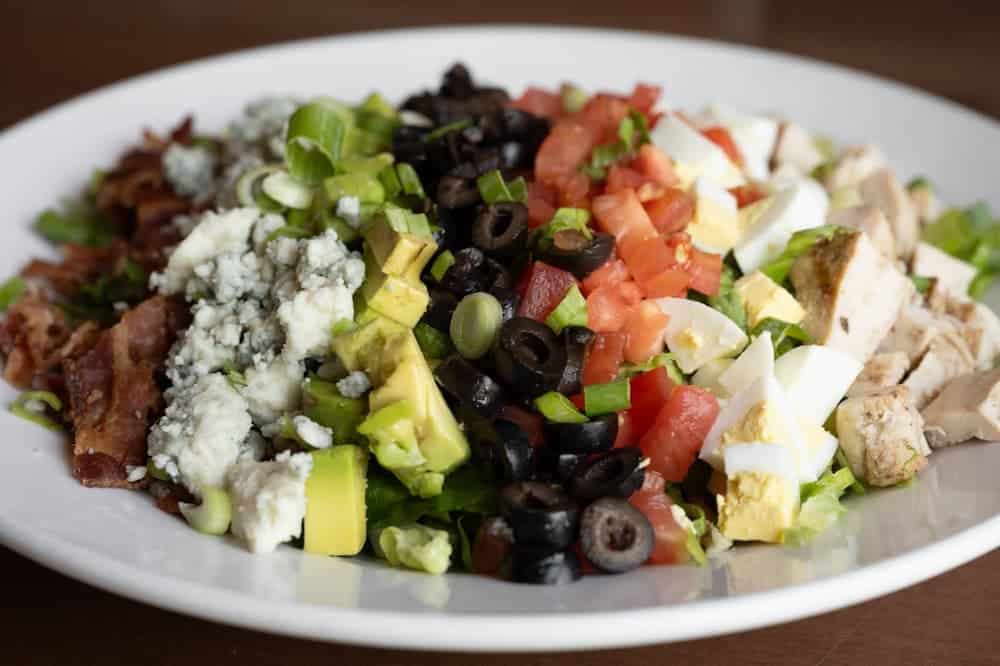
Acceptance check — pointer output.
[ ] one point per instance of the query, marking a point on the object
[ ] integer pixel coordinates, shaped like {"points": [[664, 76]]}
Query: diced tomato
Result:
{"points": [[620, 178], [564, 149], [621, 214], [601, 115], [672, 283], [546, 287], [650, 391], [539, 102], [612, 272], [672, 212], [529, 422], [680, 247], [706, 272], [604, 358], [647, 258], [646, 324], [654, 503], [574, 190], [608, 305], [654, 164], [679, 430], [578, 401], [747, 194], [721, 137], [626, 432], [542, 203], [643, 97]]}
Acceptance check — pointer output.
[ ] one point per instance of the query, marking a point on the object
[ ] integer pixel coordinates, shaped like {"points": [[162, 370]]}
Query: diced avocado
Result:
{"points": [[392, 436], [416, 547], [365, 187], [399, 252], [399, 298], [362, 348], [322, 402], [335, 519]]}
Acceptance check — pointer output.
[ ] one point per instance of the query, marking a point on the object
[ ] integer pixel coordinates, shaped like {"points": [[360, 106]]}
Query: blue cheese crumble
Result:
{"points": [[354, 385], [190, 170]]}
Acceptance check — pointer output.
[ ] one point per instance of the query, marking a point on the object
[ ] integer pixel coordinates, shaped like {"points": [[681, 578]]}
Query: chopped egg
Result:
{"points": [[762, 492], [815, 378], [693, 154], [697, 334], [755, 136], [819, 448], [716, 224], [756, 360], [803, 205], [708, 375], [764, 298]]}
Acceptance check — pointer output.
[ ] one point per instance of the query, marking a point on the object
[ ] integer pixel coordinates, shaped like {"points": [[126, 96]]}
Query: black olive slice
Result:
{"points": [[467, 274], [501, 229], [440, 309], [615, 536], [566, 464], [541, 516], [470, 387], [576, 339], [616, 473], [541, 568], [455, 192], [509, 300], [572, 251], [529, 357], [594, 436]]}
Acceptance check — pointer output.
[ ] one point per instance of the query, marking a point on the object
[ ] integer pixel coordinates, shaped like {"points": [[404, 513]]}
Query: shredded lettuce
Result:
{"points": [[10, 291], [800, 243], [79, 222], [390, 503], [784, 336], [664, 359], [728, 301], [633, 131], [98, 300], [821, 505], [972, 235]]}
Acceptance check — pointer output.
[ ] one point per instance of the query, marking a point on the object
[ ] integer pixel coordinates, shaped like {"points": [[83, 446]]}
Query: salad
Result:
{"points": [[568, 333]]}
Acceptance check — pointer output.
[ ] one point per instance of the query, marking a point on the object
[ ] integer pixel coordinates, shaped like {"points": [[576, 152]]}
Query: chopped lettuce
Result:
{"points": [[79, 222], [821, 505], [464, 491], [972, 235], [664, 359], [10, 291], [799, 244], [784, 336], [633, 131], [728, 301]]}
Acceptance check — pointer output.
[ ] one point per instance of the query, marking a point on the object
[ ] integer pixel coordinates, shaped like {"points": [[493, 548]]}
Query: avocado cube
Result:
{"points": [[322, 402], [399, 253], [401, 299], [335, 520], [392, 435], [362, 348]]}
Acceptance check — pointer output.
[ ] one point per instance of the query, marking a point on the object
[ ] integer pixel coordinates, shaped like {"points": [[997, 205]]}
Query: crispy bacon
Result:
{"points": [[113, 393], [31, 337], [81, 264]]}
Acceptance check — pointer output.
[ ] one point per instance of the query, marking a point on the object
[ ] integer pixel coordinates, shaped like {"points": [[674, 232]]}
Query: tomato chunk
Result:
{"points": [[602, 114], [671, 540], [643, 97], [655, 165], [564, 149], [545, 289], [650, 391], [621, 214], [604, 358], [612, 272], [672, 283], [542, 203], [574, 190], [626, 431], [706, 272], [673, 441], [645, 325], [673, 211], [539, 102], [608, 305], [648, 258], [721, 137], [747, 194], [620, 178]]}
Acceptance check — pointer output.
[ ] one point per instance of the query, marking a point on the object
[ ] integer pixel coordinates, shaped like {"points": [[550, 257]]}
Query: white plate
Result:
{"points": [[118, 541]]}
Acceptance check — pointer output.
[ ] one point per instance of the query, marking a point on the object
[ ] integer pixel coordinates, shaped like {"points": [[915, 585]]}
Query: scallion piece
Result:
{"points": [[390, 182], [444, 130], [557, 408], [571, 311], [316, 133], [287, 191], [250, 193], [409, 180], [518, 189], [606, 398], [214, 513], [10, 291], [433, 343], [573, 98], [492, 187], [442, 264], [79, 223], [31, 406]]}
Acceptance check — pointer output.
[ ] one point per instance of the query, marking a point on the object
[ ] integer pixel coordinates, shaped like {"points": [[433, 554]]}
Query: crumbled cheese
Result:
{"points": [[199, 437], [349, 209], [269, 499], [308, 319], [354, 385], [273, 389], [135, 473], [190, 171], [262, 126], [312, 433]]}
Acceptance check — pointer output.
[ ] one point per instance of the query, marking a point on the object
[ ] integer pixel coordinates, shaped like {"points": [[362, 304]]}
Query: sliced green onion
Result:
{"points": [[366, 188], [10, 291], [441, 265], [565, 219], [250, 193], [288, 231], [475, 324], [826, 147], [919, 183], [287, 191], [433, 343], [31, 405], [492, 187], [155, 472], [518, 189], [403, 221], [557, 408], [607, 398], [409, 180], [369, 166], [664, 359], [444, 130], [571, 311], [390, 182], [235, 378], [573, 98], [79, 223], [214, 513], [921, 283], [315, 137]]}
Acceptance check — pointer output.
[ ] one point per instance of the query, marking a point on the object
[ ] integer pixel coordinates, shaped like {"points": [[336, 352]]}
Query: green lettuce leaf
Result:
{"points": [[800, 243]]}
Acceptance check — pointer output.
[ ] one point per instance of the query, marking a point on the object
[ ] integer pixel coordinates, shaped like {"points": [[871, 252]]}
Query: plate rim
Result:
{"points": [[481, 632]]}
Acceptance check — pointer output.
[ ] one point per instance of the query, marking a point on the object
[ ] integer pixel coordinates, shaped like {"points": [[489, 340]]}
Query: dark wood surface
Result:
{"points": [[51, 51]]}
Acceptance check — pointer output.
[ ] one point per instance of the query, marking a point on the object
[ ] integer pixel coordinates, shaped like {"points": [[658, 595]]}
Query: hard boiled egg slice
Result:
{"points": [[756, 361], [694, 154], [803, 205], [815, 378], [762, 492], [759, 413], [697, 334], [819, 448], [708, 375], [755, 136], [716, 224]]}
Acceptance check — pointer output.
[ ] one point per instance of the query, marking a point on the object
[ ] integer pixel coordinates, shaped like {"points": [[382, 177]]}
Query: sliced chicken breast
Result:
{"points": [[967, 408]]}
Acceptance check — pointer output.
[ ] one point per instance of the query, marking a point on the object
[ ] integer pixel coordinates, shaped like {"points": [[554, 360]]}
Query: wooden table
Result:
{"points": [[51, 51]]}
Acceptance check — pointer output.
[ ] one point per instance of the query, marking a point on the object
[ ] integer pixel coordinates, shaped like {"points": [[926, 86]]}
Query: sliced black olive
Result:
{"points": [[541, 568], [501, 229], [497, 275], [576, 339], [572, 251], [540, 515], [594, 436], [470, 387], [529, 357], [466, 275], [509, 300], [616, 473], [511, 453], [455, 192], [566, 464], [457, 82], [615, 536], [440, 309]]}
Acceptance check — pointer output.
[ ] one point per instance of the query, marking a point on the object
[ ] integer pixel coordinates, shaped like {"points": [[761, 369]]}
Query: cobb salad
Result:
{"points": [[538, 337]]}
